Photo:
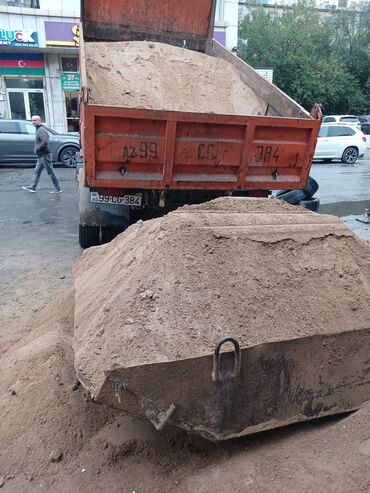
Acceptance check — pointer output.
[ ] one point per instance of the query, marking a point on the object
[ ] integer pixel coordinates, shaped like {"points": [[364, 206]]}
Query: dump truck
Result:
{"points": [[230, 315], [142, 162]]}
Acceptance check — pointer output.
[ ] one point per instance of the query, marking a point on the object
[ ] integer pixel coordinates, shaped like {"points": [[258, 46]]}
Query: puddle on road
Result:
{"points": [[349, 212], [342, 209]]}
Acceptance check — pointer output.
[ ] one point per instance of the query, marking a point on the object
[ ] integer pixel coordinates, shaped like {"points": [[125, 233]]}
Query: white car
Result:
{"points": [[351, 119], [340, 141]]}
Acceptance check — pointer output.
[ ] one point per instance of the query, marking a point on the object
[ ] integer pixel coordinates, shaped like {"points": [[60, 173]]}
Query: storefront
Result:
{"points": [[39, 72], [23, 76], [65, 34]]}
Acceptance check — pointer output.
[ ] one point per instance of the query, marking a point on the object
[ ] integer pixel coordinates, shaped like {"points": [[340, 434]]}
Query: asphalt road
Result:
{"points": [[345, 191], [39, 239], [39, 232], [343, 182]]}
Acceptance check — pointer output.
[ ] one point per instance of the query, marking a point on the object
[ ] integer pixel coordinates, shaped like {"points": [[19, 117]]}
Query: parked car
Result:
{"points": [[340, 141], [365, 123], [351, 119], [17, 138]]}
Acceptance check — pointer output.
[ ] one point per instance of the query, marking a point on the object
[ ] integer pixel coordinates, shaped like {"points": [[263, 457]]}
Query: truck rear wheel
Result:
{"points": [[108, 233], [89, 236]]}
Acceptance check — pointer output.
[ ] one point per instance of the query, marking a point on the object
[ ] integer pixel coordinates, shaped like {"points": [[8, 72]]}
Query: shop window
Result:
{"points": [[219, 13], [31, 4], [69, 64], [72, 108], [22, 83]]}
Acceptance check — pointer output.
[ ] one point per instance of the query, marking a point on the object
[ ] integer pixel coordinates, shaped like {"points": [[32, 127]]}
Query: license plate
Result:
{"points": [[134, 200]]}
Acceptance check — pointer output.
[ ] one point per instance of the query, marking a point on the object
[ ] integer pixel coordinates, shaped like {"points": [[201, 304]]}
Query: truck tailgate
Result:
{"points": [[138, 148]]}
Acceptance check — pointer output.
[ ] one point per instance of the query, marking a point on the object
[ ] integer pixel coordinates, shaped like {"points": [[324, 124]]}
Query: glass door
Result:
{"points": [[17, 106], [36, 104], [24, 103]]}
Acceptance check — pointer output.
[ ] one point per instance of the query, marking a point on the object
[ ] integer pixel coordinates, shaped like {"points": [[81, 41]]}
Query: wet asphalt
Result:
{"points": [[39, 232], [345, 191], [38, 239]]}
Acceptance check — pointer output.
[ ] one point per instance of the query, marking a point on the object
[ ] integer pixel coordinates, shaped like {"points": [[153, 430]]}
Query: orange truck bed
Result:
{"points": [[135, 148]]}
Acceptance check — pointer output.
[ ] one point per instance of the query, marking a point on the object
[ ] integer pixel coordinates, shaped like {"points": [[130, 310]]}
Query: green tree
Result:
{"points": [[299, 45], [351, 38]]}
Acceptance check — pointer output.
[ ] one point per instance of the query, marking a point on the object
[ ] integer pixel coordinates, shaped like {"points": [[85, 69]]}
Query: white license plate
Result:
{"points": [[134, 200]]}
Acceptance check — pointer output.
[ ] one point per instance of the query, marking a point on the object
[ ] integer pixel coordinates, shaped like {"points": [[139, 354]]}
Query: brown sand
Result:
{"points": [[159, 76], [43, 415], [256, 269]]}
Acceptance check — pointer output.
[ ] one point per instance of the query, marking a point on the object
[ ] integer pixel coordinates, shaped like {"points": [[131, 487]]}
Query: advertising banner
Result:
{"points": [[21, 38], [70, 82], [61, 33]]}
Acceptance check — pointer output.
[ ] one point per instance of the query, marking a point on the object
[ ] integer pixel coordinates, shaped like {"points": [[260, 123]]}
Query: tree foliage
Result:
{"points": [[315, 58]]}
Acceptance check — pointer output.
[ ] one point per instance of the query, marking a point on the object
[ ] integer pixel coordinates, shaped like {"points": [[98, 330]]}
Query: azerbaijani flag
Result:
{"points": [[22, 64]]}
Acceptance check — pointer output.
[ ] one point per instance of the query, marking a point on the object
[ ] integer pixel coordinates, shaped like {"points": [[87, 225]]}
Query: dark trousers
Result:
{"points": [[44, 161]]}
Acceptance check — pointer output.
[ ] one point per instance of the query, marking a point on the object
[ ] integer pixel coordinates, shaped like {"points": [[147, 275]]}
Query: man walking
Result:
{"points": [[45, 158]]}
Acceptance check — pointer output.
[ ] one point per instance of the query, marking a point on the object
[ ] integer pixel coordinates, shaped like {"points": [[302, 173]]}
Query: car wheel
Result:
{"points": [[311, 187], [68, 157], [292, 196], [312, 204], [89, 236], [350, 155]]}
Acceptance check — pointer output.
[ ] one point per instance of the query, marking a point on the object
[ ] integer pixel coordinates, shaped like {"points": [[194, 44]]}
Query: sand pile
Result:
{"points": [[53, 439], [256, 269], [43, 413], [159, 76]]}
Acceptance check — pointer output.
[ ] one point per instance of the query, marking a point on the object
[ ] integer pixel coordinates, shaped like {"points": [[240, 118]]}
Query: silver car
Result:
{"points": [[17, 138]]}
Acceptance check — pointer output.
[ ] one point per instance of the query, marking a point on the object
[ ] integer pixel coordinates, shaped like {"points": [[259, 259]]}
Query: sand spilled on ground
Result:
{"points": [[54, 439], [159, 76]]}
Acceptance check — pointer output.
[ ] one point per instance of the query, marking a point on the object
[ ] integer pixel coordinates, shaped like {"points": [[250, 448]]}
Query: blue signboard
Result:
{"points": [[22, 38]]}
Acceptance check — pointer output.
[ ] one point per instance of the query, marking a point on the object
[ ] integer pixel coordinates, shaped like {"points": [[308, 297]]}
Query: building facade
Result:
{"points": [[39, 70], [226, 23]]}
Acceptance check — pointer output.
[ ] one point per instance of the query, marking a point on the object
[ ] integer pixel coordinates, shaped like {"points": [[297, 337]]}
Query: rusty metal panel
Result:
{"points": [[128, 148], [188, 24], [249, 389]]}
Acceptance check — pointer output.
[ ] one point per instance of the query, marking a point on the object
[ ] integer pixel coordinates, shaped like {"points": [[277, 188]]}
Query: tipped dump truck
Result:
{"points": [[226, 318], [170, 117]]}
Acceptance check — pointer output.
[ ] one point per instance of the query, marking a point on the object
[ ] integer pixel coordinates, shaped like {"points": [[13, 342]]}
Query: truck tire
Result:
{"points": [[108, 233], [311, 204], [293, 197], [89, 236], [281, 192], [311, 187]]}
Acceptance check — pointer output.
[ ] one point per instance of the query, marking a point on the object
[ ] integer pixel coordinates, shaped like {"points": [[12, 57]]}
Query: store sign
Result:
{"points": [[70, 82], [220, 36], [61, 34], [267, 73], [26, 38]]}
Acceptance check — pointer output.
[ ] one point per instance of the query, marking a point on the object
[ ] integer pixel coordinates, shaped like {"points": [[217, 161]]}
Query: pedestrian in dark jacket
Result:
{"points": [[45, 158]]}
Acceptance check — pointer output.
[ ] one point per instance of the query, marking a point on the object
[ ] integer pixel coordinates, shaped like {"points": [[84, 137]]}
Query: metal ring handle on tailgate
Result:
{"points": [[216, 359]]}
